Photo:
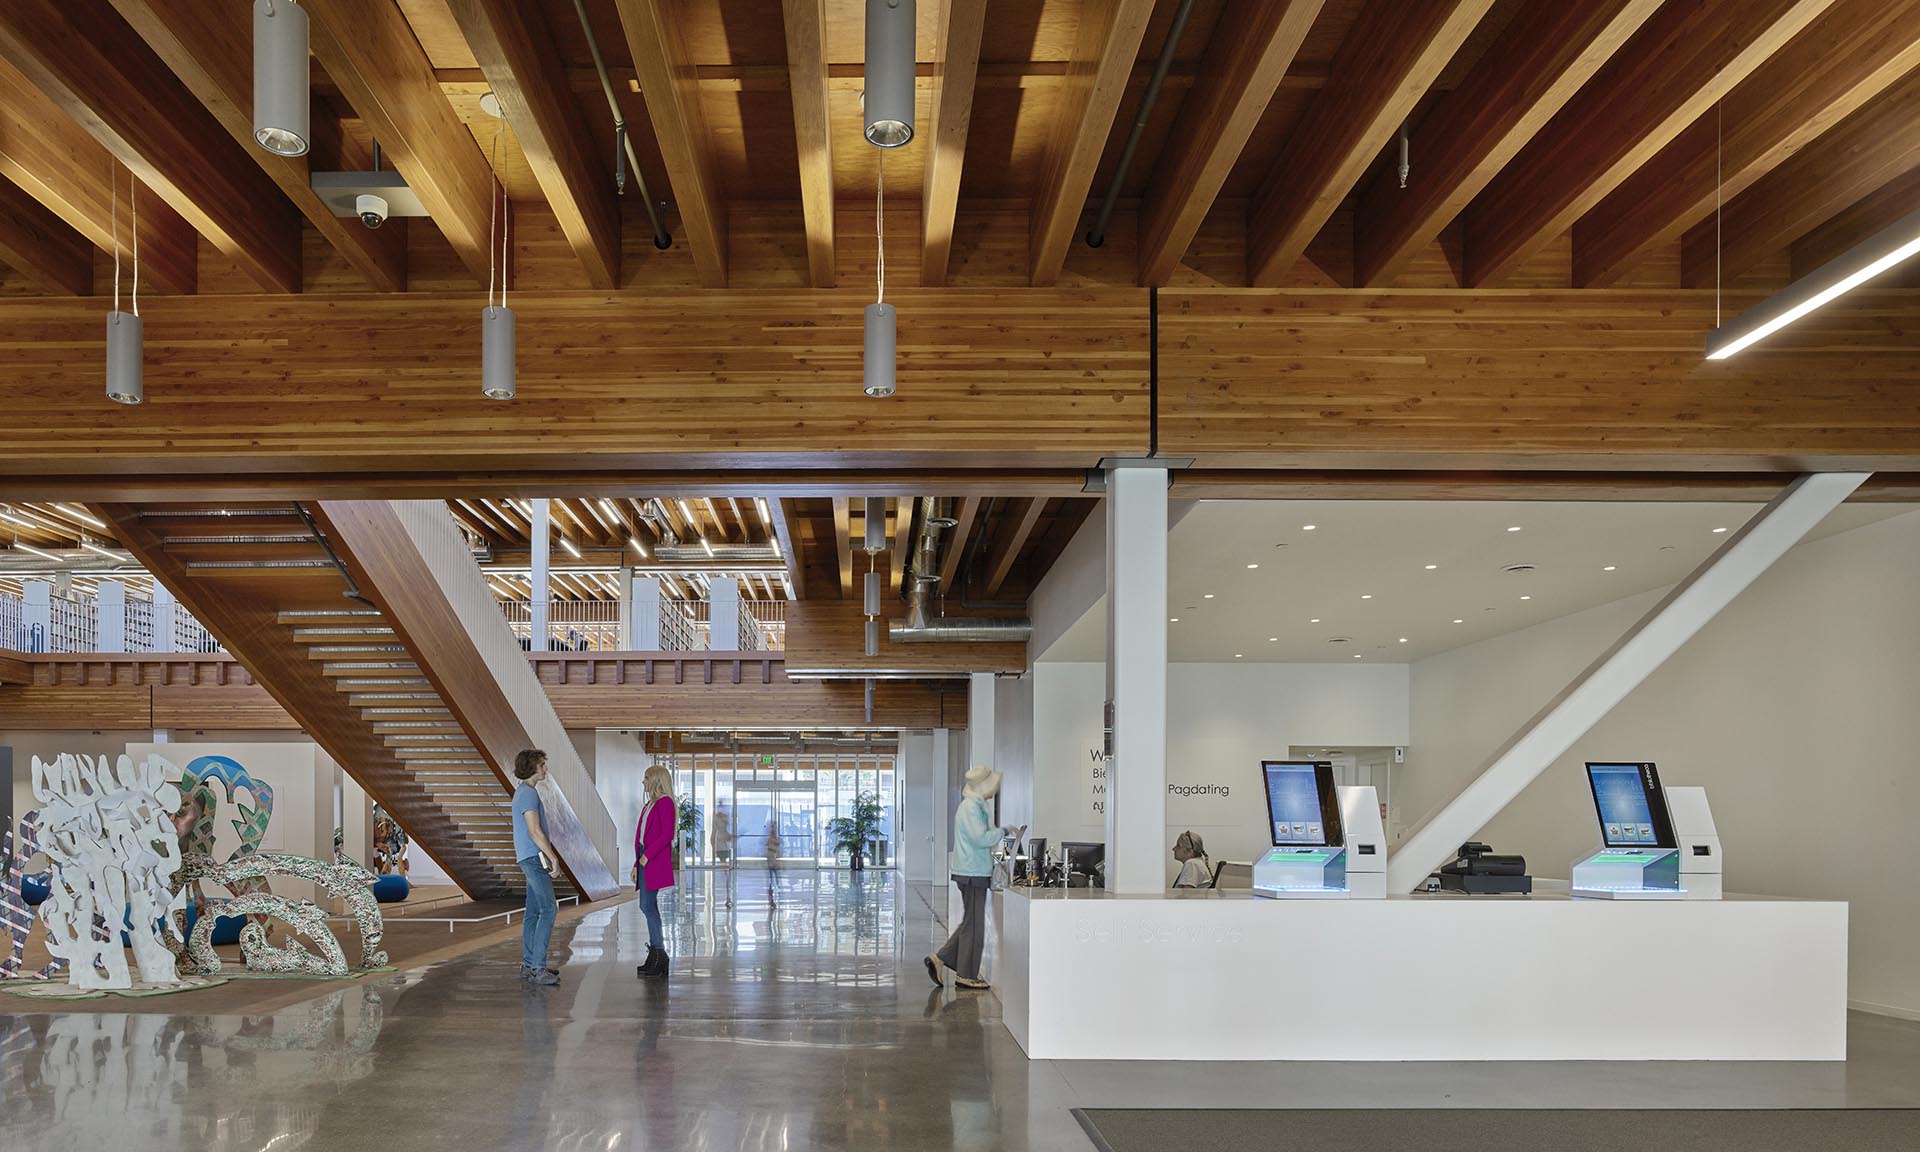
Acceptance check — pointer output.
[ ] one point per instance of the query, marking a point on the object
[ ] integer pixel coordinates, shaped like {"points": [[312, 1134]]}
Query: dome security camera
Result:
{"points": [[372, 210]]}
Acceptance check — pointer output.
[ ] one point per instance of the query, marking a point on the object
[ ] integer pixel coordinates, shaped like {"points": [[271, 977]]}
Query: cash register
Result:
{"points": [[1657, 843], [1328, 842]]}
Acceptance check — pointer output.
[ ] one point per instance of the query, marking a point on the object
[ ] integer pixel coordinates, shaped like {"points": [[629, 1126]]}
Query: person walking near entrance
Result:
{"points": [[653, 852], [536, 856], [974, 835]]}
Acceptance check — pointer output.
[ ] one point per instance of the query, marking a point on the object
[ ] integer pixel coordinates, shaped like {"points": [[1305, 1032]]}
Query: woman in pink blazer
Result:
{"points": [[653, 867]]}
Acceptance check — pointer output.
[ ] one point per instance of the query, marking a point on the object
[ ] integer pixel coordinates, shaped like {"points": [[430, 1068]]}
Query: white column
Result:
{"points": [[723, 614], [36, 616], [1137, 678], [942, 818], [980, 687], [110, 616], [625, 584], [542, 594], [1621, 669], [164, 609], [645, 595]]}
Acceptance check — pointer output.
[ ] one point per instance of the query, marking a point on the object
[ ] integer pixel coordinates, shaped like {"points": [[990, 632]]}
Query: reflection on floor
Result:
{"points": [[797, 1023]]}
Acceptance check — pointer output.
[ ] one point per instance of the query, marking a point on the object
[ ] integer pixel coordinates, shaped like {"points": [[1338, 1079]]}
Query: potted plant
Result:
{"points": [[853, 832], [690, 822]]}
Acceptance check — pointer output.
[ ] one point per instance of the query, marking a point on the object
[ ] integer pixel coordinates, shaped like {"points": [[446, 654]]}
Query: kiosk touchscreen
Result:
{"points": [[1328, 843], [1644, 855]]}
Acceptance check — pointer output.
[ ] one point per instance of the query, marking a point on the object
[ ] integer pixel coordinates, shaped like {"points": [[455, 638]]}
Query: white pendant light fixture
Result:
{"points": [[882, 323], [1842, 274], [124, 339], [891, 64], [497, 339], [282, 101]]}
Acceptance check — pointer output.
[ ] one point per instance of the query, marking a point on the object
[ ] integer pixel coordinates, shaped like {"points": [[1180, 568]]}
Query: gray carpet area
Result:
{"points": [[1499, 1130]]}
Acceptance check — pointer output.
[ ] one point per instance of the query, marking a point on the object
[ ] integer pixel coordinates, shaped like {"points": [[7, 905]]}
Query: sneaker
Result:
{"points": [[971, 984], [544, 977]]}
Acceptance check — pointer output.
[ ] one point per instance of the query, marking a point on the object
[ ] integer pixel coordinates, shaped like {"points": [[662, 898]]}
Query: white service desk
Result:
{"points": [[1088, 975]]}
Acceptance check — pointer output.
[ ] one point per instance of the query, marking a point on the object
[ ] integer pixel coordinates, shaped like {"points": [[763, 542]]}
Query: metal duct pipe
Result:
{"points": [[964, 630], [623, 139], [923, 566], [1097, 235]]}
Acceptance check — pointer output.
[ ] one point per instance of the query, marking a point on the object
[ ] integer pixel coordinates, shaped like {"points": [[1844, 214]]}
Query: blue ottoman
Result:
{"points": [[391, 889]]}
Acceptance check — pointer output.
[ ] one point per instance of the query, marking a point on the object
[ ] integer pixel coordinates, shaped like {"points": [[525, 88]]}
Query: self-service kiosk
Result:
{"points": [[1656, 843], [1328, 842]]}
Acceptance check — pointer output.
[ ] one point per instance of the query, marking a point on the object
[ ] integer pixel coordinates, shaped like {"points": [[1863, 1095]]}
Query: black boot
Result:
{"points": [[655, 964]]}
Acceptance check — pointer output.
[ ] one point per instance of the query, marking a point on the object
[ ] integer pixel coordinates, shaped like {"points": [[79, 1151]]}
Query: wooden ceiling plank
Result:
{"points": [[41, 246], [667, 80], [1246, 59], [1680, 63], [517, 53], [957, 28], [966, 511], [1844, 59], [1875, 146], [1389, 59], [369, 49], [55, 161], [95, 66], [806, 25], [212, 54], [1019, 524], [1867, 216], [843, 542], [1105, 48], [1529, 73]]}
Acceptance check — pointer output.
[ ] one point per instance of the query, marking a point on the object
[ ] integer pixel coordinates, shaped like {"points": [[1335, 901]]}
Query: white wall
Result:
{"points": [[619, 769], [1013, 747], [1796, 708], [1222, 720]]}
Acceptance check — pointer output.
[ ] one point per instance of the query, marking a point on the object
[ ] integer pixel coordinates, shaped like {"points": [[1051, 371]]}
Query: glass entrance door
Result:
{"points": [[739, 796], [768, 809]]}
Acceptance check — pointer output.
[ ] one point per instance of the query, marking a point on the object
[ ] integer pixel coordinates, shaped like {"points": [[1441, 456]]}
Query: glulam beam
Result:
{"points": [[806, 27], [956, 66], [669, 83]]}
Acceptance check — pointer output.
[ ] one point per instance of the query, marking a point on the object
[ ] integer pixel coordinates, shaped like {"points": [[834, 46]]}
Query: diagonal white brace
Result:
{"points": [[1621, 669]]}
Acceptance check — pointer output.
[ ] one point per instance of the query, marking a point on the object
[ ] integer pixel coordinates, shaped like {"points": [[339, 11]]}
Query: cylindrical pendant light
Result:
{"points": [[124, 384], [890, 72], [881, 320], [876, 525], [282, 101], [496, 352], [873, 594], [873, 637]]}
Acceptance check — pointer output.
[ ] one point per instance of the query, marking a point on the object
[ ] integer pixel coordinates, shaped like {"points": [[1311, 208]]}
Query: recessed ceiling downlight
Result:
{"points": [[1519, 569], [1339, 639]]}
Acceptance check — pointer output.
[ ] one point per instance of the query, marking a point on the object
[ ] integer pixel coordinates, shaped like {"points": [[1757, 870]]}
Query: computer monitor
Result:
{"points": [[1084, 859], [1302, 810], [1631, 806]]}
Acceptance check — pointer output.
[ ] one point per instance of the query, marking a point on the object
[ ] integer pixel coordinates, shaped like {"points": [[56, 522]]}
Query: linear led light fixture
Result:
{"points": [[40, 553], [1897, 242], [568, 545]]}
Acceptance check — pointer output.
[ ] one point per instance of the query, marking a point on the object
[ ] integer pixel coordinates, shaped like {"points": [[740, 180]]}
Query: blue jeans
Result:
{"points": [[650, 908], [537, 928]]}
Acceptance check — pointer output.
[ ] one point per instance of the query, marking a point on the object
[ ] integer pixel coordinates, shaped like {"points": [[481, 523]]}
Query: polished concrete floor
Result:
{"points": [[804, 1022]]}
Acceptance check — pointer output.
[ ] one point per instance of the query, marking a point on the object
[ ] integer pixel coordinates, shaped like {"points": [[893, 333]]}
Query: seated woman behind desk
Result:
{"points": [[1196, 871]]}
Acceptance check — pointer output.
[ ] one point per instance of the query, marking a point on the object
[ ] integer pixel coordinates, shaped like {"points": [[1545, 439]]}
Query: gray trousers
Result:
{"points": [[963, 948]]}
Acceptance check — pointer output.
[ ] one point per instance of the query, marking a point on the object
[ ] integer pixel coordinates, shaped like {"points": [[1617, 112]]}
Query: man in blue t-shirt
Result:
{"points": [[535, 854]]}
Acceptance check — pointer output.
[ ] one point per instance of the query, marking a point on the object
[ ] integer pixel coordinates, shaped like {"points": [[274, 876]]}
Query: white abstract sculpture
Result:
{"points": [[110, 835]]}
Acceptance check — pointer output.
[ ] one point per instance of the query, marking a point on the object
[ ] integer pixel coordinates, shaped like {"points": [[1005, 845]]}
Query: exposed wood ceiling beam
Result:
{"points": [[516, 51], [843, 543], [97, 68], [212, 54], [41, 246], [369, 49], [956, 61], [789, 542], [1015, 529], [806, 24], [1107, 44], [1848, 56], [902, 539], [1393, 54], [55, 161], [1246, 58], [666, 73], [1682, 61], [966, 510], [1869, 215], [1528, 74], [1871, 148]]}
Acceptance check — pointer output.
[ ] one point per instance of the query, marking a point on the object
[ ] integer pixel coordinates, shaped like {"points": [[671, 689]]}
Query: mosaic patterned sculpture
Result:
{"points": [[389, 844], [16, 919], [109, 832], [198, 811], [350, 882]]}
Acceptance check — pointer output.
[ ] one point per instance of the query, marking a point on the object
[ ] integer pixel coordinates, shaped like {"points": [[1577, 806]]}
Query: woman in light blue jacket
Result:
{"points": [[974, 836]]}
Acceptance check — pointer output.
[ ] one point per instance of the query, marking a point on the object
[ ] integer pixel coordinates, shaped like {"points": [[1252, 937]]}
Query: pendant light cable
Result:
{"points": [[493, 210], [133, 198], [113, 199], [1718, 188], [880, 225]]}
